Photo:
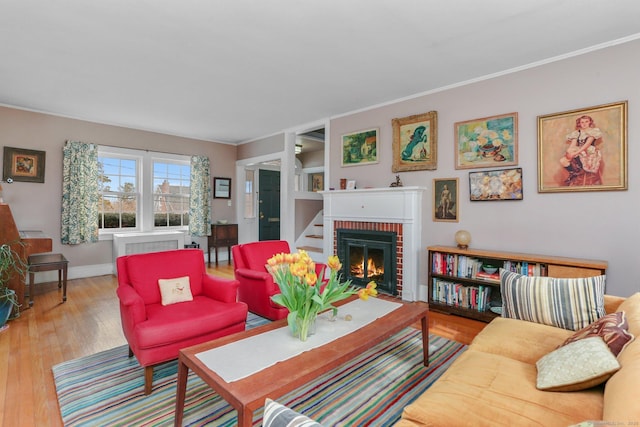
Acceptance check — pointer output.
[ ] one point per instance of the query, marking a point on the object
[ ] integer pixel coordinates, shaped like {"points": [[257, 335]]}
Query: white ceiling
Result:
{"points": [[235, 70]]}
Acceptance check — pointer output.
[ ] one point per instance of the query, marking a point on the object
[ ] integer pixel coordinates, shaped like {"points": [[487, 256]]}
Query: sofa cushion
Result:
{"points": [[621, 391], [566, 303], [498, 391], [277, 415], [175, 290], [519, 340], [612, 328], [577, 366], [173, 323]]}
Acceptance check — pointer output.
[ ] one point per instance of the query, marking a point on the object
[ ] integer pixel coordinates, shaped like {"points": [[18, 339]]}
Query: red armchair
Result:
{"points": [[155, 332], [256, 284]]}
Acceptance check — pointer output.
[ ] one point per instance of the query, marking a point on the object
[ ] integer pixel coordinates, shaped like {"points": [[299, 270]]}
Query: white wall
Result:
{"points": [[595, 225]]}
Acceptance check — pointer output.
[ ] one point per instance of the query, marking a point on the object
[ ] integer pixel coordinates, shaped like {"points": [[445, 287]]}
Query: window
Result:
{"points": [[142, 191], [172, 183], [249, 209], [119, 198]]}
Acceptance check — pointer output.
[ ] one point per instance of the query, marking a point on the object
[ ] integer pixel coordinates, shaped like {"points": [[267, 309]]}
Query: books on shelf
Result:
{"points": [[459, 295], [448, 264]]}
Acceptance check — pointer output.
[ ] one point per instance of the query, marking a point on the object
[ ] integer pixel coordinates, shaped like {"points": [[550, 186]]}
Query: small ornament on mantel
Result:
{"points": [[397, 183]]}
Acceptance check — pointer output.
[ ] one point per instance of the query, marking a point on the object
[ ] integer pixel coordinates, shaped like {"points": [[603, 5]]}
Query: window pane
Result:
{"points": [[249, 211], [118, 201], [172, 183]]}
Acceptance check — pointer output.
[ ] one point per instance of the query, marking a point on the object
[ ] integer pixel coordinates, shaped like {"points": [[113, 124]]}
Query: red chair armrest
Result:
{"points": [[219, 288], [131, 304], [262, 277]]}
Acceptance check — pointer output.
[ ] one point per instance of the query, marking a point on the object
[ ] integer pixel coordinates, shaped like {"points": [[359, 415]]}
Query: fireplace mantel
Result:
{"points": [[401, 205]]}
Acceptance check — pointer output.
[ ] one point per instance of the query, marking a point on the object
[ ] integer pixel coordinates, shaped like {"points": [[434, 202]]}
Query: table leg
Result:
{"points": [[425, 340], [245, 417], [209, 257], [216, 249], [181, 391], [31, 280], [64, 282]]}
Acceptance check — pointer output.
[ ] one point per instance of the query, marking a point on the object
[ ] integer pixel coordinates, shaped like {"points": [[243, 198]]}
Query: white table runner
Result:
{"points": [[240, 359]]}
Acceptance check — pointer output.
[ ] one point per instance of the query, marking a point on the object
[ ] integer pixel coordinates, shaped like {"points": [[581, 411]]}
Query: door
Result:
{"points": [[268, 205]]}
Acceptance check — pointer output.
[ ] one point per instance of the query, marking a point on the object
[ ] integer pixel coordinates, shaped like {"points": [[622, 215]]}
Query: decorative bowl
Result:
{"points": [[222, 221], [489, 269]]}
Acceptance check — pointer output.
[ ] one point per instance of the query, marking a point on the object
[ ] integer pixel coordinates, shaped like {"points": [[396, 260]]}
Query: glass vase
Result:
{"points": [[304, 326]]}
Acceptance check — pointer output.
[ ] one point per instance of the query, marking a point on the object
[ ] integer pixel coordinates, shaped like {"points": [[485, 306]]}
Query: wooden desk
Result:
{"points": [[222, 235], [248, 394]]}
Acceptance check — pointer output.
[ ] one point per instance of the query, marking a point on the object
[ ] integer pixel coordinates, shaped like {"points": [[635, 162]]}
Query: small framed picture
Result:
{"points": [[445, 200], [24, 165], [316, 182], [360, 148], [221, 188], [487, 142], [504, 184], [351, 185], [583, 150]]}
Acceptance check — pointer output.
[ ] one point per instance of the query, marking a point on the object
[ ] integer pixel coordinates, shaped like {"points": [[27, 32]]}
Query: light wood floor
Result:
{"points": [[51, 332]]}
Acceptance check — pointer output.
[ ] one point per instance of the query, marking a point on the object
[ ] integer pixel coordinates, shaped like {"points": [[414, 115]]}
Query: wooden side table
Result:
{"points": [[222, 235], [48, 262]]}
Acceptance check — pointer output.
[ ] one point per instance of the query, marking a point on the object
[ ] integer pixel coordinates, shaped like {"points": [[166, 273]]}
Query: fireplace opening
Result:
{"points": [[368, 255]]}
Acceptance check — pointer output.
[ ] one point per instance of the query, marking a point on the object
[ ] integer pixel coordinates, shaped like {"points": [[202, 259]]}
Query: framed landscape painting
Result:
{"points": [[415, 142], [445, 199], [583, 150], [504, 184], [360, 148], [487, 142]]}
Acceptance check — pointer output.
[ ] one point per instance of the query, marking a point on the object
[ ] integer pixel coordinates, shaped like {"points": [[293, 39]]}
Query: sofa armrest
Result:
{"points": [[131, 304], [261, 277], [219, 288]]}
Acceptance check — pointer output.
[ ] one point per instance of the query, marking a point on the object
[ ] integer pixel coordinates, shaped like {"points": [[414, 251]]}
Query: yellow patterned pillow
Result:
{"points": [[175, 290], [576, 366]]}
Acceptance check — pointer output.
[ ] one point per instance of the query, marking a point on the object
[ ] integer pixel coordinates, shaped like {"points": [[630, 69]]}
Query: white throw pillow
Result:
{"points": [[576, 366], [175, 290]]}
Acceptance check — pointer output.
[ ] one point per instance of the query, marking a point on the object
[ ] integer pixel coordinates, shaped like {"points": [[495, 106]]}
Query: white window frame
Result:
{"points": [[144, 186]]}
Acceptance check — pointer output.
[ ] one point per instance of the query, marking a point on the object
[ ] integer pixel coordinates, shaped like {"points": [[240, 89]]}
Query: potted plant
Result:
{"points": [[10, 263]]}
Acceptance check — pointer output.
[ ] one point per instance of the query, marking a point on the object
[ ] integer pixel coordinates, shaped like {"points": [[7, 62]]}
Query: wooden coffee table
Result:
{"points": [[249, 393]]}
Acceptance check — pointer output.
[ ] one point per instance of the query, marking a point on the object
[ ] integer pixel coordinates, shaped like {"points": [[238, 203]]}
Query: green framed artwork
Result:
{"points": [[360, 148], [487, 142]]}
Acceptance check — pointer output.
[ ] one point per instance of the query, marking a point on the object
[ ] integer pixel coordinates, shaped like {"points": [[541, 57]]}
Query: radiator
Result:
{"points": [[138, 243]]}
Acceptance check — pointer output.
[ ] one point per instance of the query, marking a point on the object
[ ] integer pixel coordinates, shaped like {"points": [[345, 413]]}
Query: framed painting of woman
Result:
{"points": [[583, 150]]}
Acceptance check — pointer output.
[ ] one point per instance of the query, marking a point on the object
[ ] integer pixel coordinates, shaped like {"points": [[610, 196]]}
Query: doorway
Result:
{"points": [[268, 204]]}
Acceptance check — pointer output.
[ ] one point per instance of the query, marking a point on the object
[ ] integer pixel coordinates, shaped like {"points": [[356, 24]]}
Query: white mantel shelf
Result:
{"points": [[404, 205]]}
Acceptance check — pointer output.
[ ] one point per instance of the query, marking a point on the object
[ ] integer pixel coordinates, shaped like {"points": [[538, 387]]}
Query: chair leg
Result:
{"points": [[148, 380], [130, 352]]}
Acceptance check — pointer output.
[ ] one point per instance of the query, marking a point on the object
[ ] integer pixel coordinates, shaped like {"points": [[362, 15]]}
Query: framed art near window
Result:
{"points": [[583, 150], [445, 200], [360, 148], [221, 188], [415, 142], [504, 184], [24, 165], [487, 142]]}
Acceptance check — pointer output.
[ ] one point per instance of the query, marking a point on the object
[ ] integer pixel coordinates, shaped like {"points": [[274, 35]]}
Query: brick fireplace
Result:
{"points": [[395, 209]]}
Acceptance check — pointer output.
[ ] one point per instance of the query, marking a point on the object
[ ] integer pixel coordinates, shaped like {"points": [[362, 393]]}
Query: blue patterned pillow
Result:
{"points": [[277, 415], [565, 303]]}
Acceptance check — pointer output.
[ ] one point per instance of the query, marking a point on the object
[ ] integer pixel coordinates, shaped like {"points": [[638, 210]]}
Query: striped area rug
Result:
{"points": [[106, 388]]}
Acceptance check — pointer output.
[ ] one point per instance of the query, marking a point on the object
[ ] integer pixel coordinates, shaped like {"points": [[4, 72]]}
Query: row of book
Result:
{"points": [[471, 268], [463, 296]]}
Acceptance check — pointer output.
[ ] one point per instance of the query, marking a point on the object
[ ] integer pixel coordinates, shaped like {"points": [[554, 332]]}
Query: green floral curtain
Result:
{"points": [[79, 193], [199, 207]]}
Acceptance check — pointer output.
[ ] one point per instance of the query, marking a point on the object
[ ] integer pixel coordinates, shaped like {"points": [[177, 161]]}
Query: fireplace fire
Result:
{"points": [[370, 255]]}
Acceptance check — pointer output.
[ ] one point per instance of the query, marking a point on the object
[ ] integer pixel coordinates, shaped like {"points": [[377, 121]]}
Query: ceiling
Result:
{"points": [[235, 70]]}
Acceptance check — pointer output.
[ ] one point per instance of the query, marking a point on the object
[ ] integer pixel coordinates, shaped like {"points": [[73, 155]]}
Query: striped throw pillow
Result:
{"points": [[565, 303], [277, 415]]}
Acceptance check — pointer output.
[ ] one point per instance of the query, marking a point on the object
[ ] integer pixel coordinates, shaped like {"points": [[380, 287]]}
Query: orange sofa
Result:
{"points": [[494, 382]]}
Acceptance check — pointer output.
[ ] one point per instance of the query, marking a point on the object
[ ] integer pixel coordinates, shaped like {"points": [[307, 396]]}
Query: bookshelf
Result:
{"points": [[457, 283]]}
